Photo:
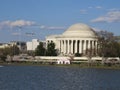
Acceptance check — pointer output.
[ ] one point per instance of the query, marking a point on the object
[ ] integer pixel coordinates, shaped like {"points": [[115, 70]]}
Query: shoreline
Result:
{"points": [[82, 65]]}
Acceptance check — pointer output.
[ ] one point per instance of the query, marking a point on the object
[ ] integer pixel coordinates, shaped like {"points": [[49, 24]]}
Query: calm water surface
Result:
{"points": [[58, 78]]}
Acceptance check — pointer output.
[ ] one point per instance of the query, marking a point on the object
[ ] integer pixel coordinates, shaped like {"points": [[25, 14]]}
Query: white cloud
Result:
{"points": [[30, 34], [42, 27], [17, 23], [56, 28], [98, 7], [83, 11], [51, 27], [90, 7], [112, 16], [114, 9], [21, 23], [16, 34]]}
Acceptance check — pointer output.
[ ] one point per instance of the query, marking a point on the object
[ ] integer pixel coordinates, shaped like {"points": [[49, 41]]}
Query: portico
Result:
{"points": [[76, 46]]}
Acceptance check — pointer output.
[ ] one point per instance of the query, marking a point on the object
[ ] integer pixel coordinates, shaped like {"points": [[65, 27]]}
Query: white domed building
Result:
{"points": [[76, 39]]}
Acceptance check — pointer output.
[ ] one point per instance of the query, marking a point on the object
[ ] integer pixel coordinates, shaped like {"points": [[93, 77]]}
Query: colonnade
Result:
{"points": [[77, 46]]}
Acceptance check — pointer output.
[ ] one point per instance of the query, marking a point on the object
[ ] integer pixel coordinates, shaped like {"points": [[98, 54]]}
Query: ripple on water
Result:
{"points": [[57, 78]]}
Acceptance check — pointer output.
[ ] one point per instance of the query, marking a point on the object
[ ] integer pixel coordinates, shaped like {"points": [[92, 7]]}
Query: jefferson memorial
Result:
{"points": [[78, 38]]}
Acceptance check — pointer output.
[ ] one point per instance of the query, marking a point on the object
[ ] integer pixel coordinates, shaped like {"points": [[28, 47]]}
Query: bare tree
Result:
{"points": [[108, 45], [71, 56], [89, 54]]}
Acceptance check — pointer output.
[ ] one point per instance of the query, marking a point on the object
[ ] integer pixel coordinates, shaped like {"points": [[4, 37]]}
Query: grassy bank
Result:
{"points": [[80, 65]]}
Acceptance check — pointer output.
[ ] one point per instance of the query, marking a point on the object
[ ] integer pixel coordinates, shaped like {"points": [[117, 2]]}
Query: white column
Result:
{"points": [[80, 46], [72, 46], [75, 46], [61, 46], [58, 46], [88, 44], [68, 46], [84, 47], [93, 47], [93, 44], [64, 46]]}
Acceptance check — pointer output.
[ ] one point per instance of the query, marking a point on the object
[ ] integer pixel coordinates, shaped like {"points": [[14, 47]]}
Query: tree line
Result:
{"points": [[39, 51], [11, 51]]}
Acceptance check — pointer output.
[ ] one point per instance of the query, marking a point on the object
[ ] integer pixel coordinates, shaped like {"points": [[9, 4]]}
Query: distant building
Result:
{"points": [[76, 39], [32, 45], [21, 45], [4, 45]]}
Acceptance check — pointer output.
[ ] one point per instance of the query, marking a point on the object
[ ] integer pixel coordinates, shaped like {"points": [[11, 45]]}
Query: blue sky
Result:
{"points": [[27, 19]]}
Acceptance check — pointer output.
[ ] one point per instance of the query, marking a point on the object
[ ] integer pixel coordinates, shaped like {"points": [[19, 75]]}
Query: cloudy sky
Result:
{"points": [[27, 19]]}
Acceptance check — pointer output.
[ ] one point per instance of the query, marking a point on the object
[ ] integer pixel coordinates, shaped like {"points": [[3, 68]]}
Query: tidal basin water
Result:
{"points": [[58, 78]]}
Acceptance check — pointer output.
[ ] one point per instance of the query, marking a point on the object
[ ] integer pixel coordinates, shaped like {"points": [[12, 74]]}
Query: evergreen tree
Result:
{"points": [[51, 51], [40, 50]]}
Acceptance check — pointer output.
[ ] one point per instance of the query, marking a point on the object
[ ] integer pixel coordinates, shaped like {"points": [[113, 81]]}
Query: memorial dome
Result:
{"points": [[81, 30]]}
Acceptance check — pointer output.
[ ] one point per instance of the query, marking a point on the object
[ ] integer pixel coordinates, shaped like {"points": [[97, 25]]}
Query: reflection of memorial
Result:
{"points": [[76, 39]]}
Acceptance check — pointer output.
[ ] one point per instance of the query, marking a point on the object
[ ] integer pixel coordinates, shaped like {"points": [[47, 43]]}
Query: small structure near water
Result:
{"points": [[63, 61]]}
